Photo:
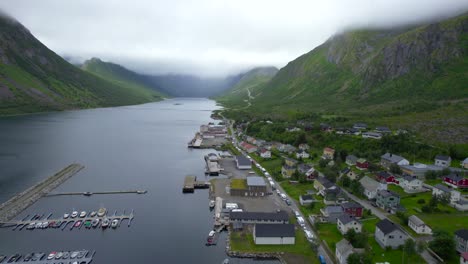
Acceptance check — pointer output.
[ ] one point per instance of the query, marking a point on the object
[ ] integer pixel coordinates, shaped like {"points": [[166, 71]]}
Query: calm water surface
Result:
{"points": [[134, 147]]}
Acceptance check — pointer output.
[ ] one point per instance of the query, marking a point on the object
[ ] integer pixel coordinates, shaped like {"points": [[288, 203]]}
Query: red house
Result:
{"points": [[362, 164], [387, 177], [456, 181], [352, 208]]}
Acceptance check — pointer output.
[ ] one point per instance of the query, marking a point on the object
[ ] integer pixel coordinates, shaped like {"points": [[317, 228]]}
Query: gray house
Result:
{"points": [[331, 213], [387, 200], [351, 160], [371, 187], [388, 234], [344, 249], [461, 240], [388, 159], [443, 161]]}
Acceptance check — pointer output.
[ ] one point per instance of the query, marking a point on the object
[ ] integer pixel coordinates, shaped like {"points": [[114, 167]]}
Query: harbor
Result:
{"points": [[191, 183], [77, 256], [92, 193]]}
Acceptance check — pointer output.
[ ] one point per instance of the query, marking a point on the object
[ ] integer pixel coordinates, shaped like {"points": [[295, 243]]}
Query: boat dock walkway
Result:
{"points": [[191, 183], [91, 193], [23, 200], [22, 224]]}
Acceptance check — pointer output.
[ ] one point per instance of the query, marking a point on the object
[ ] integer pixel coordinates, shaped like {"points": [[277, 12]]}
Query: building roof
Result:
{"points": [[415, 220], [333, 209], [303, 168], [387, 193], [422, 168], [325, 182], [392, 157], [345, 170], [343, 246], [464, 255], [454, 177], [360, 125], [369, 184], [442, 157], [345, 219], [260, 216], [264, 150], [361, 160], [351, 158], [383, 174], [375, 134], [463, 233], [383, 128], [274, 230], [255, 181], [386, 226], [350, 205], [328, 149], [307, 197], [243, 160], [442, 188], [410, 178]]}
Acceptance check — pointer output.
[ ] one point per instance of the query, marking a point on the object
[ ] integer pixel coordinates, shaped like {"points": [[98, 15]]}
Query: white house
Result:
{"points": [[265, 153], [388, 159], [306, 199], [371, 187], [344, 249], [243, 163], [274, 234], [346, 222], [464, 163], [411, 184], [418, 225], [440, 190], [442, 161], [302, 154]]}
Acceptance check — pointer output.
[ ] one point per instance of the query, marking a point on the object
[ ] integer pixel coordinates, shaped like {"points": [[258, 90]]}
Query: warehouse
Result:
{"points": [[270, 234]]}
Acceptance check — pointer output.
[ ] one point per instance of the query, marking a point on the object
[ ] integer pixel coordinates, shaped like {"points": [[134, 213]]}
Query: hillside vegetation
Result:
{"points": [[381, 75], [33, 78]]}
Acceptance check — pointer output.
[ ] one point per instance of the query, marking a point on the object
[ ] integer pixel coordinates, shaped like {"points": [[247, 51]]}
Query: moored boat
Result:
{"points": [[95, 222], [105, 223], [101, 212], [82, 214], [93, 214], [66, 215], [212, 204], [115, 223], [77, 224], [74, 214], [87, 223]]}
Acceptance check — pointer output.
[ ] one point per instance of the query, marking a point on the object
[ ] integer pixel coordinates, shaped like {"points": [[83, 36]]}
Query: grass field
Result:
{"points": [[238, 184], [329, 232]]}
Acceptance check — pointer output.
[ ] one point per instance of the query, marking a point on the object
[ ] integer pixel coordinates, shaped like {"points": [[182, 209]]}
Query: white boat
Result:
{"points": [[93, 214], [74, 214], [115, 223], [101, 212], [105, 223], [212, 203], [66, 215], [83, 214]]}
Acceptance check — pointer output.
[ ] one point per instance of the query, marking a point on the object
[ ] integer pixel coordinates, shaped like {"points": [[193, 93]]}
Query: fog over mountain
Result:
{"points": [[208, 38]]}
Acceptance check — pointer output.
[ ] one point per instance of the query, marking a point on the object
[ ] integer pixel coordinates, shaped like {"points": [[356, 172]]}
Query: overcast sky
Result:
{"points": [[207, 37]]}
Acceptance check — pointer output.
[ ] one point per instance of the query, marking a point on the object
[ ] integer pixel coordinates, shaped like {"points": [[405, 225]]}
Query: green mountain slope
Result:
{"points": [[248, 86], [121, 76], [380, 74], [33, 78]]}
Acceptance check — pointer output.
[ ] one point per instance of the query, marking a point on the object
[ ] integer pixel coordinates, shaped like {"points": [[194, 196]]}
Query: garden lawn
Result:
{"points": [[329, 232]]}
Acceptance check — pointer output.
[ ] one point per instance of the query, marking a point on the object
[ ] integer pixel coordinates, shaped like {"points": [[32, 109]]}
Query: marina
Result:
{"points": [[191, 183], [71, 221], [68, 257]]}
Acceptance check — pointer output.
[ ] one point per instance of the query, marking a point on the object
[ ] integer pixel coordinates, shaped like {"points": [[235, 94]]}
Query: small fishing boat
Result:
{"points": [[95, 222], [105, 223], [82, 214], [212, 204], [101, 212], [115, 223], [87, 223], [93, 214], [77, 224], [74, 214], [66, 215]]}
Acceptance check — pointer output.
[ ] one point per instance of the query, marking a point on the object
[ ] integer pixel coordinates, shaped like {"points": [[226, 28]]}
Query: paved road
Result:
{"points": [[293, 206]]}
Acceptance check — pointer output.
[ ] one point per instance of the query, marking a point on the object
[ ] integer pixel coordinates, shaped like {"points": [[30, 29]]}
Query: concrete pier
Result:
{"points": [[21, 201], [191, 183]]}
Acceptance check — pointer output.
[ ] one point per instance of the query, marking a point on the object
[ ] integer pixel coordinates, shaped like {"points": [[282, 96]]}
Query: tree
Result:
{"points": [[443, 244], [345, 181], [356, 187], [395, 169], [312, 205], [409, 247], [343, 154], [357, 258], [301, 138], [358, 240], [323, 162], [420, 246]]}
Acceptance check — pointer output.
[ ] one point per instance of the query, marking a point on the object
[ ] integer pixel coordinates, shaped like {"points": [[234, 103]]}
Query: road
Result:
{"points": [[293, 206]]}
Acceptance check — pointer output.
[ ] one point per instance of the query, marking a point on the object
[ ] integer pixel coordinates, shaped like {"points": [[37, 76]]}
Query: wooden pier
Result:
{"points": [[91, 193], [191, 183], [21, 224]]}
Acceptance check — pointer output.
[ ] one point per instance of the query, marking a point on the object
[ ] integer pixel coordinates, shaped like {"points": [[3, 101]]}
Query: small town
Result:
{"points": [[297, 198]]}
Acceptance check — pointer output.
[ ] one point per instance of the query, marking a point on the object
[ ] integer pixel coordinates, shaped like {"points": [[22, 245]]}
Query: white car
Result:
{"points": [[309, 234], [297, 213]]}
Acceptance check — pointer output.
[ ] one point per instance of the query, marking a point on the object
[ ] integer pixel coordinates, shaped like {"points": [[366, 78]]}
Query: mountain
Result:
{"points": [[33, 78], [414, 77], [248, 86], [119, 75]]}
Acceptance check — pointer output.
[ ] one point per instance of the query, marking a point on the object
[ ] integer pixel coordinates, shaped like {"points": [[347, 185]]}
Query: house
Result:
{"points": [[383, 129], [302, 154], [418, 225], [351, 160], [269, 234], [440, 190], [243, 163], [464, 163], [461, 240], [322, 183], [371, 187], [388, 159], [352, 208], [333, 196], [344, 249], [303, 168], [288, 168], [442, 160], [387, 200], [304, 146], [265, 153], [248, 147], [352, 175], [289, 148], [384, 176], [388, 234], [326, 127], [464, 258], [411, 184], [280, 217], [312, 173], [346, 222], [362, 164], [353, 131], [419, 170], [456, 181], [293, 129], [331, 213], [373, 135], [256, 186], [328, 153], [306, 199], [360, 126]]}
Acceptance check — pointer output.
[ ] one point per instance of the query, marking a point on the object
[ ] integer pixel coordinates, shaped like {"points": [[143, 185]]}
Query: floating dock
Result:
{"points": [[91, 193], [23, 200], [191, 183], [83, 257]]}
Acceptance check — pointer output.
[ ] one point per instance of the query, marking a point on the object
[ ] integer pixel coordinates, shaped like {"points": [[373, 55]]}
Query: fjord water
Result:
{"points": [[141, 147]]}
